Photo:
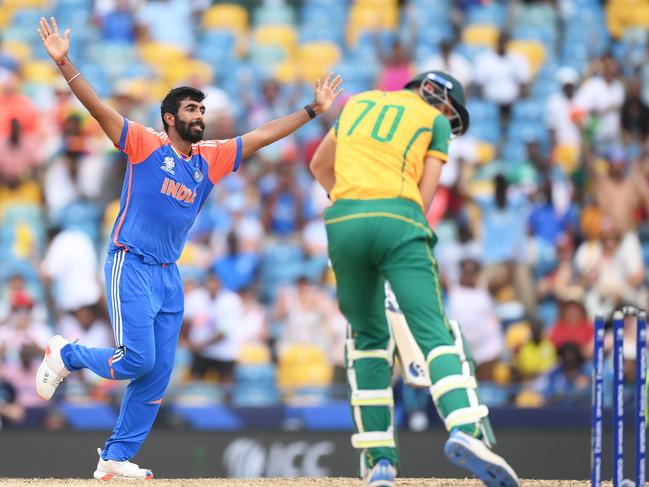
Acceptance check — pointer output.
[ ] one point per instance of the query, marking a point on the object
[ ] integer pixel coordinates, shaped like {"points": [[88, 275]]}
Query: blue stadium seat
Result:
{"points": [[84, 216], [26, 18], [281, 264], [333, 416], [254, 386], [213, 418], [91, 416], [493, 395], [493, 14], [274, 15]]}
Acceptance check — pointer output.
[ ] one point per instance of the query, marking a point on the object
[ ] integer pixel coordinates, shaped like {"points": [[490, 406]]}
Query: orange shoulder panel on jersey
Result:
{"points": [[222, 156], [138, 142]]}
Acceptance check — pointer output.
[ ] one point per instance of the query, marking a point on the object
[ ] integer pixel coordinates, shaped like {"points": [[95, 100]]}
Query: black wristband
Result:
{"points": [[309, 109]]}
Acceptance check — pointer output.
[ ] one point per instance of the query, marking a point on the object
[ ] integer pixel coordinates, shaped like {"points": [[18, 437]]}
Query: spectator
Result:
{"points": [[16, 106], [22, 329], [537, 355], [545, 221], [612, 270], [16, 288], [254, 319], [569, 382], [501, 75], [213, 314], [19, 154], [118, 24], [22, 343], [471, 305], [87, 326], [560, 114], [553, 174], [573, 326], [245, 223], [70, 269], [76, 174], [305, 314], [504, 223], [273, 103], [452, 253], [449, 61], [90, 328], [635, 114], [396, 68], [563, 278], [621, 190], [236, 269], [600, 98], [11, 412], [285, 207], [218, 105]]}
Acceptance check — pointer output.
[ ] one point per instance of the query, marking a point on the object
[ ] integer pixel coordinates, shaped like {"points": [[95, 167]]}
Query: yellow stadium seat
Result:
{"points": [[39, 72], [566, 156], [517, 334], [529, 399], [182, 70], [502, 373], [363, 18], [283, 36], [110, 216], [16, 49], [27, 193], [158, 89], [226, 16], [317, 58], [533, 51], [303, 366], [485, 152], [254, 354], [16, 4], [480, 35], [5, 17], [159, 54], [287, 71], [624, 14]]}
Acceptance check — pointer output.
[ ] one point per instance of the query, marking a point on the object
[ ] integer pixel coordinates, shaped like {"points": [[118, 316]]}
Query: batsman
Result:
{"points": [[380, 165]]}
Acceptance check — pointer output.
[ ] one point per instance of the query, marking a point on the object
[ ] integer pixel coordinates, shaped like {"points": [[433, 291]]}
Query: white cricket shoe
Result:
{"points": [[114, 470], [473, 455], [52, 371]]}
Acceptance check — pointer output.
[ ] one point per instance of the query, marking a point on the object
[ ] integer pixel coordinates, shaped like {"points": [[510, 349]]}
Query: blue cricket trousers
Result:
{"points": [[145, 302]]}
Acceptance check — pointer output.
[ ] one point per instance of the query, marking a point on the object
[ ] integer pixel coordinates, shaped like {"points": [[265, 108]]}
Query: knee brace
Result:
{"points": [[369, 398]]}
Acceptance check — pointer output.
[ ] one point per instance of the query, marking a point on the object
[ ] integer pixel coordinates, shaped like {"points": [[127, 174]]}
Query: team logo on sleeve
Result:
{"points": [[168, 165]]}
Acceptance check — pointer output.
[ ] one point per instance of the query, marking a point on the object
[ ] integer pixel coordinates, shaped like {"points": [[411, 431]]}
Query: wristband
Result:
{"points": [[309, 109]]}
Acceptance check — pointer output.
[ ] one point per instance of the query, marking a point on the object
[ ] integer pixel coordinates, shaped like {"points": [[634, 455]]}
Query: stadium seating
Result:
{"points": [[236, 48]]}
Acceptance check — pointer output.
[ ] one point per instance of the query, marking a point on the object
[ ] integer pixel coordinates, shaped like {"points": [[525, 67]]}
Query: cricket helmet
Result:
{"points": [[437, 87]]}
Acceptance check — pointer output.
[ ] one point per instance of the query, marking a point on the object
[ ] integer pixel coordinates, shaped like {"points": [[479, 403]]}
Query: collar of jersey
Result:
{"points": [[179, 154]]}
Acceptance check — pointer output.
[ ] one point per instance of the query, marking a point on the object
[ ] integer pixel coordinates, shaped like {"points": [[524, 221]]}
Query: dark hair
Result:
{"points": [[14, 134], [171, 102]]}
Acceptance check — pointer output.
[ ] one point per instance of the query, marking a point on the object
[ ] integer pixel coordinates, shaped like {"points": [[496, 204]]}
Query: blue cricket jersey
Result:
{"points": [[164, 190]]}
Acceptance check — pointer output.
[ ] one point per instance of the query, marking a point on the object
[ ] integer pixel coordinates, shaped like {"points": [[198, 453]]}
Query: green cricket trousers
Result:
{"points": [[371, 241]]}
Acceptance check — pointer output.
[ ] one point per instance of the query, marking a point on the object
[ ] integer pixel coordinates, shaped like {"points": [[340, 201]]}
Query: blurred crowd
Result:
{"points": [[542, 211]]}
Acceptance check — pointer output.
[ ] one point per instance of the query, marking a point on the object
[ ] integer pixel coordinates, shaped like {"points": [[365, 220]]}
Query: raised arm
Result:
{"points": [[324, 96], [57, 47]]}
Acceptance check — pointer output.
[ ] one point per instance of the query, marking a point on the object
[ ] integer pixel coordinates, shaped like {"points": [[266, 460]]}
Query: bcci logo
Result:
{"points": [[168, 165]]}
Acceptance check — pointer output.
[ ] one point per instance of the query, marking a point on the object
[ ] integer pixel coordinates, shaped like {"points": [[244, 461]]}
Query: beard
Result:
{"points": [[187, 132]]}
